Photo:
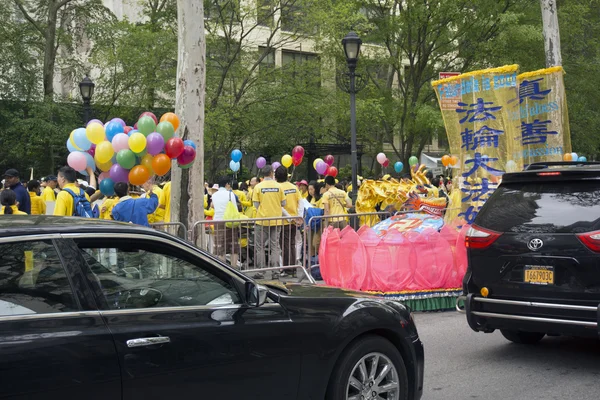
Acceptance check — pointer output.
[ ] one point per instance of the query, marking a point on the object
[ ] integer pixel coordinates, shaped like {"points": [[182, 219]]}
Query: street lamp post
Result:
{"points": [[86, 88], [347, 81]]}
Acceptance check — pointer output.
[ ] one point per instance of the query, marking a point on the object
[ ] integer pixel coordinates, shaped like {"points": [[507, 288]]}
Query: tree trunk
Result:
{"points": [[187, 188], [50, 50], [551, 33]]}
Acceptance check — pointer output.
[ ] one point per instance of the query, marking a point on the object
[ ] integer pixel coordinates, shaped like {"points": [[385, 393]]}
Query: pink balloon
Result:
{"points": [[381, 158], [103, 176], [329, 160], [188, 155], [77, 161], [120, 142], [298, 152], [92, 150], [322, 167]]}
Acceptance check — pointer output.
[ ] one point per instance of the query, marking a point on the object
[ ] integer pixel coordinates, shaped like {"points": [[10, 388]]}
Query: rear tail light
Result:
{"points": [[480, 238], [591, 240], [548, 173]]}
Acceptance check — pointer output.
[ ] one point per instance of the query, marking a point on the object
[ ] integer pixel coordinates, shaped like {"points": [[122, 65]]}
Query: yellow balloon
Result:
{"points": [[104, 152], [73, 142], [137, 142], [316, 162], [104, 167], [95, 133], [286, 161]]}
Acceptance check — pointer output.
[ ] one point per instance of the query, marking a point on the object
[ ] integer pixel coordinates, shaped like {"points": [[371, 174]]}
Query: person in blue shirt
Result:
{"points": [[12, 181], [134, 210]]}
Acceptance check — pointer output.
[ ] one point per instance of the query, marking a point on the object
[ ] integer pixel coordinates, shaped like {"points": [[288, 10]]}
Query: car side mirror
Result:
{"points": [[256, 295]]}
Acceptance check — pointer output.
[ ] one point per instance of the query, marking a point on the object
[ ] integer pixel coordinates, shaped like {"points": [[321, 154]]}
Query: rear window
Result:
{"points": [[549, 207]]}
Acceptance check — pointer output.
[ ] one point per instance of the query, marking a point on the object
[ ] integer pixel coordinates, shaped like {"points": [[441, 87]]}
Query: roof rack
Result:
{"points": [[544, 165]]}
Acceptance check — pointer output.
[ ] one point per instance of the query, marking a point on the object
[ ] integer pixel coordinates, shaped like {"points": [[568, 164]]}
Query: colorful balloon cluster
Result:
{"points": [[129, 154], [398, 165], [449, 160], [325, 166], [574, 157]]}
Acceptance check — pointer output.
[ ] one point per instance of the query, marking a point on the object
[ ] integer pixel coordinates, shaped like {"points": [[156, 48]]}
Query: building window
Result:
{"points": [[302, 66], [265, 12]]}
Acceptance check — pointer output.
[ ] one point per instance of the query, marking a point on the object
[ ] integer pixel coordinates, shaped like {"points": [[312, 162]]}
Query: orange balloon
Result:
{"points": [[453, 160], [172, 118], [161, 164], [445, 160], [567, 157], [147, 162], [139, 175]]}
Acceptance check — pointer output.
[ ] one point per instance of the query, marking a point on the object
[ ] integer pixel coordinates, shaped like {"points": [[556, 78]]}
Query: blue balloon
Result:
{"points": [[90, 161], [131, 132], [236, 155], [107, 187], [398, 167], [70, 146], [582, 159], [81, 140], [234, 166], [190, 143], [112, 129]]}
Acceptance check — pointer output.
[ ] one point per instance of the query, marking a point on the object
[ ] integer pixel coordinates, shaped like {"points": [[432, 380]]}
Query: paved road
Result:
{"points": [[461, 364]]}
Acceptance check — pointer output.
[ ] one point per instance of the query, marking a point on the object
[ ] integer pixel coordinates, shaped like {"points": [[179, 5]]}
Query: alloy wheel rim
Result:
{"points": [[374, 377]]}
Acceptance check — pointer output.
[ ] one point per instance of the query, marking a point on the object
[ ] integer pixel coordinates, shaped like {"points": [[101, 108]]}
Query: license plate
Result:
{"points": [[539, 275]]}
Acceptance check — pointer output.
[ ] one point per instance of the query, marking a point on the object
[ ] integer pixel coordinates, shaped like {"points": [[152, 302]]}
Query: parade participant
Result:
{"points": [[107, 205], [303, 187], [293, 209], [132, 210], [8, 200], [48, 193], [167, 195], [12, 181], [241, 196], [335, 202], [251, 210], [38, 205], [159, 214], [268, 199], [226, 239], [65, 201]]}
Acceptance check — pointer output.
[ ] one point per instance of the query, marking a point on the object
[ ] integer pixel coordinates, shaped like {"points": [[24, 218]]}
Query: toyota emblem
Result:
{"points": [[535, 244]]}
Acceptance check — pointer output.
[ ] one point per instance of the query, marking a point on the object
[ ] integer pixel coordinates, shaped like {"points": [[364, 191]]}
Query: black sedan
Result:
{"points": [[99, 310]]}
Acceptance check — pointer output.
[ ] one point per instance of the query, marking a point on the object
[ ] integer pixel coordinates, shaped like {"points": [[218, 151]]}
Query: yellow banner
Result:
{"points": [[480, 130], [542, 113]]}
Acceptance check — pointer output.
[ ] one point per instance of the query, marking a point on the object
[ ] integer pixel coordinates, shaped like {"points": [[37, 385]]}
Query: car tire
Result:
{"points": [[370, 350], [522, 337]]}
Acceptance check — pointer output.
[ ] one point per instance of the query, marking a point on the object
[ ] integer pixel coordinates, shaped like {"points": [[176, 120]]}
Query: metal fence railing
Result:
{"points": [[258, 247], [173, 228]]}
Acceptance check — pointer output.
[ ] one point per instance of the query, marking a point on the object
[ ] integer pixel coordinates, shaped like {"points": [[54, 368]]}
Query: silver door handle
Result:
{"points": [[148, 341]]}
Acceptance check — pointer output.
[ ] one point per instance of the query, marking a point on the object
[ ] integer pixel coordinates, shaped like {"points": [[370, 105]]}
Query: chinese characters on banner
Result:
{"points": [[501, 122], [481, 132], [542, 114]]}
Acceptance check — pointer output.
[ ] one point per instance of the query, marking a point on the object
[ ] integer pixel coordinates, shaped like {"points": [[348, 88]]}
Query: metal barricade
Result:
{"points": [[317, 224], [173, 228], [258, 247]]}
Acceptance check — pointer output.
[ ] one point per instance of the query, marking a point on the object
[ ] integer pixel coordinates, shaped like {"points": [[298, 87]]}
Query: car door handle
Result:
{"points": [[149, 341]]}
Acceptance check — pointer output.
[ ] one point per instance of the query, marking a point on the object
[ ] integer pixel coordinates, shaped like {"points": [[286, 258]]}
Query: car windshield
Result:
{"points": [[548, 207]]}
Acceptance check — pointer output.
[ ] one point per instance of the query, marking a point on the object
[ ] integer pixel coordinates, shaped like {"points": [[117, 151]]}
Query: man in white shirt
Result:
{"points": [[226, 238]]}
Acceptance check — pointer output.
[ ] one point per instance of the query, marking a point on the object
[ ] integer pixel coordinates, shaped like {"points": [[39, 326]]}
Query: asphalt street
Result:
{"points": [[462, 364]]}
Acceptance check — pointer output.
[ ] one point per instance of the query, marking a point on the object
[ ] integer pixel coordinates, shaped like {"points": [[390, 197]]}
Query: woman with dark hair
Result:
{"points": [[8, 200], [315, 192]]}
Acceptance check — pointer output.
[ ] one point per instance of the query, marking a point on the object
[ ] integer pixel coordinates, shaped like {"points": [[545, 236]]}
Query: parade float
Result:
{"points": [[497, 122]]}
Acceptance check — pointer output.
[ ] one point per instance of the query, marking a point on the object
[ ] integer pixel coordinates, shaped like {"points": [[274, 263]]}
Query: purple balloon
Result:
{"points": [[260, 162], [95, 120], [155, 143], [119, 174], [276, 165], [119, 120], [322, 167]]}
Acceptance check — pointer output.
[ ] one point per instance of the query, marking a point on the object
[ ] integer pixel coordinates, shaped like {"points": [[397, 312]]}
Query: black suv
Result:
{"points": [[534, 255]]}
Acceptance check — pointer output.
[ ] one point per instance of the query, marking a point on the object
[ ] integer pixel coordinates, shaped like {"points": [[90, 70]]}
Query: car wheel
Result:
{"points": [[522, 337], [371, 368]]}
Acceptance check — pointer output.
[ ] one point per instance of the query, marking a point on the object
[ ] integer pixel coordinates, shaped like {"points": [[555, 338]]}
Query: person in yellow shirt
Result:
{"points": [[293, 209], [250, 212], [335, 202], [244, 201], [268, 199], [303, 187], [38, 205], [8, 200], [209, 212], [67, 177], [48, 193], [107, 206], [158, 215], [167, 196]]}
